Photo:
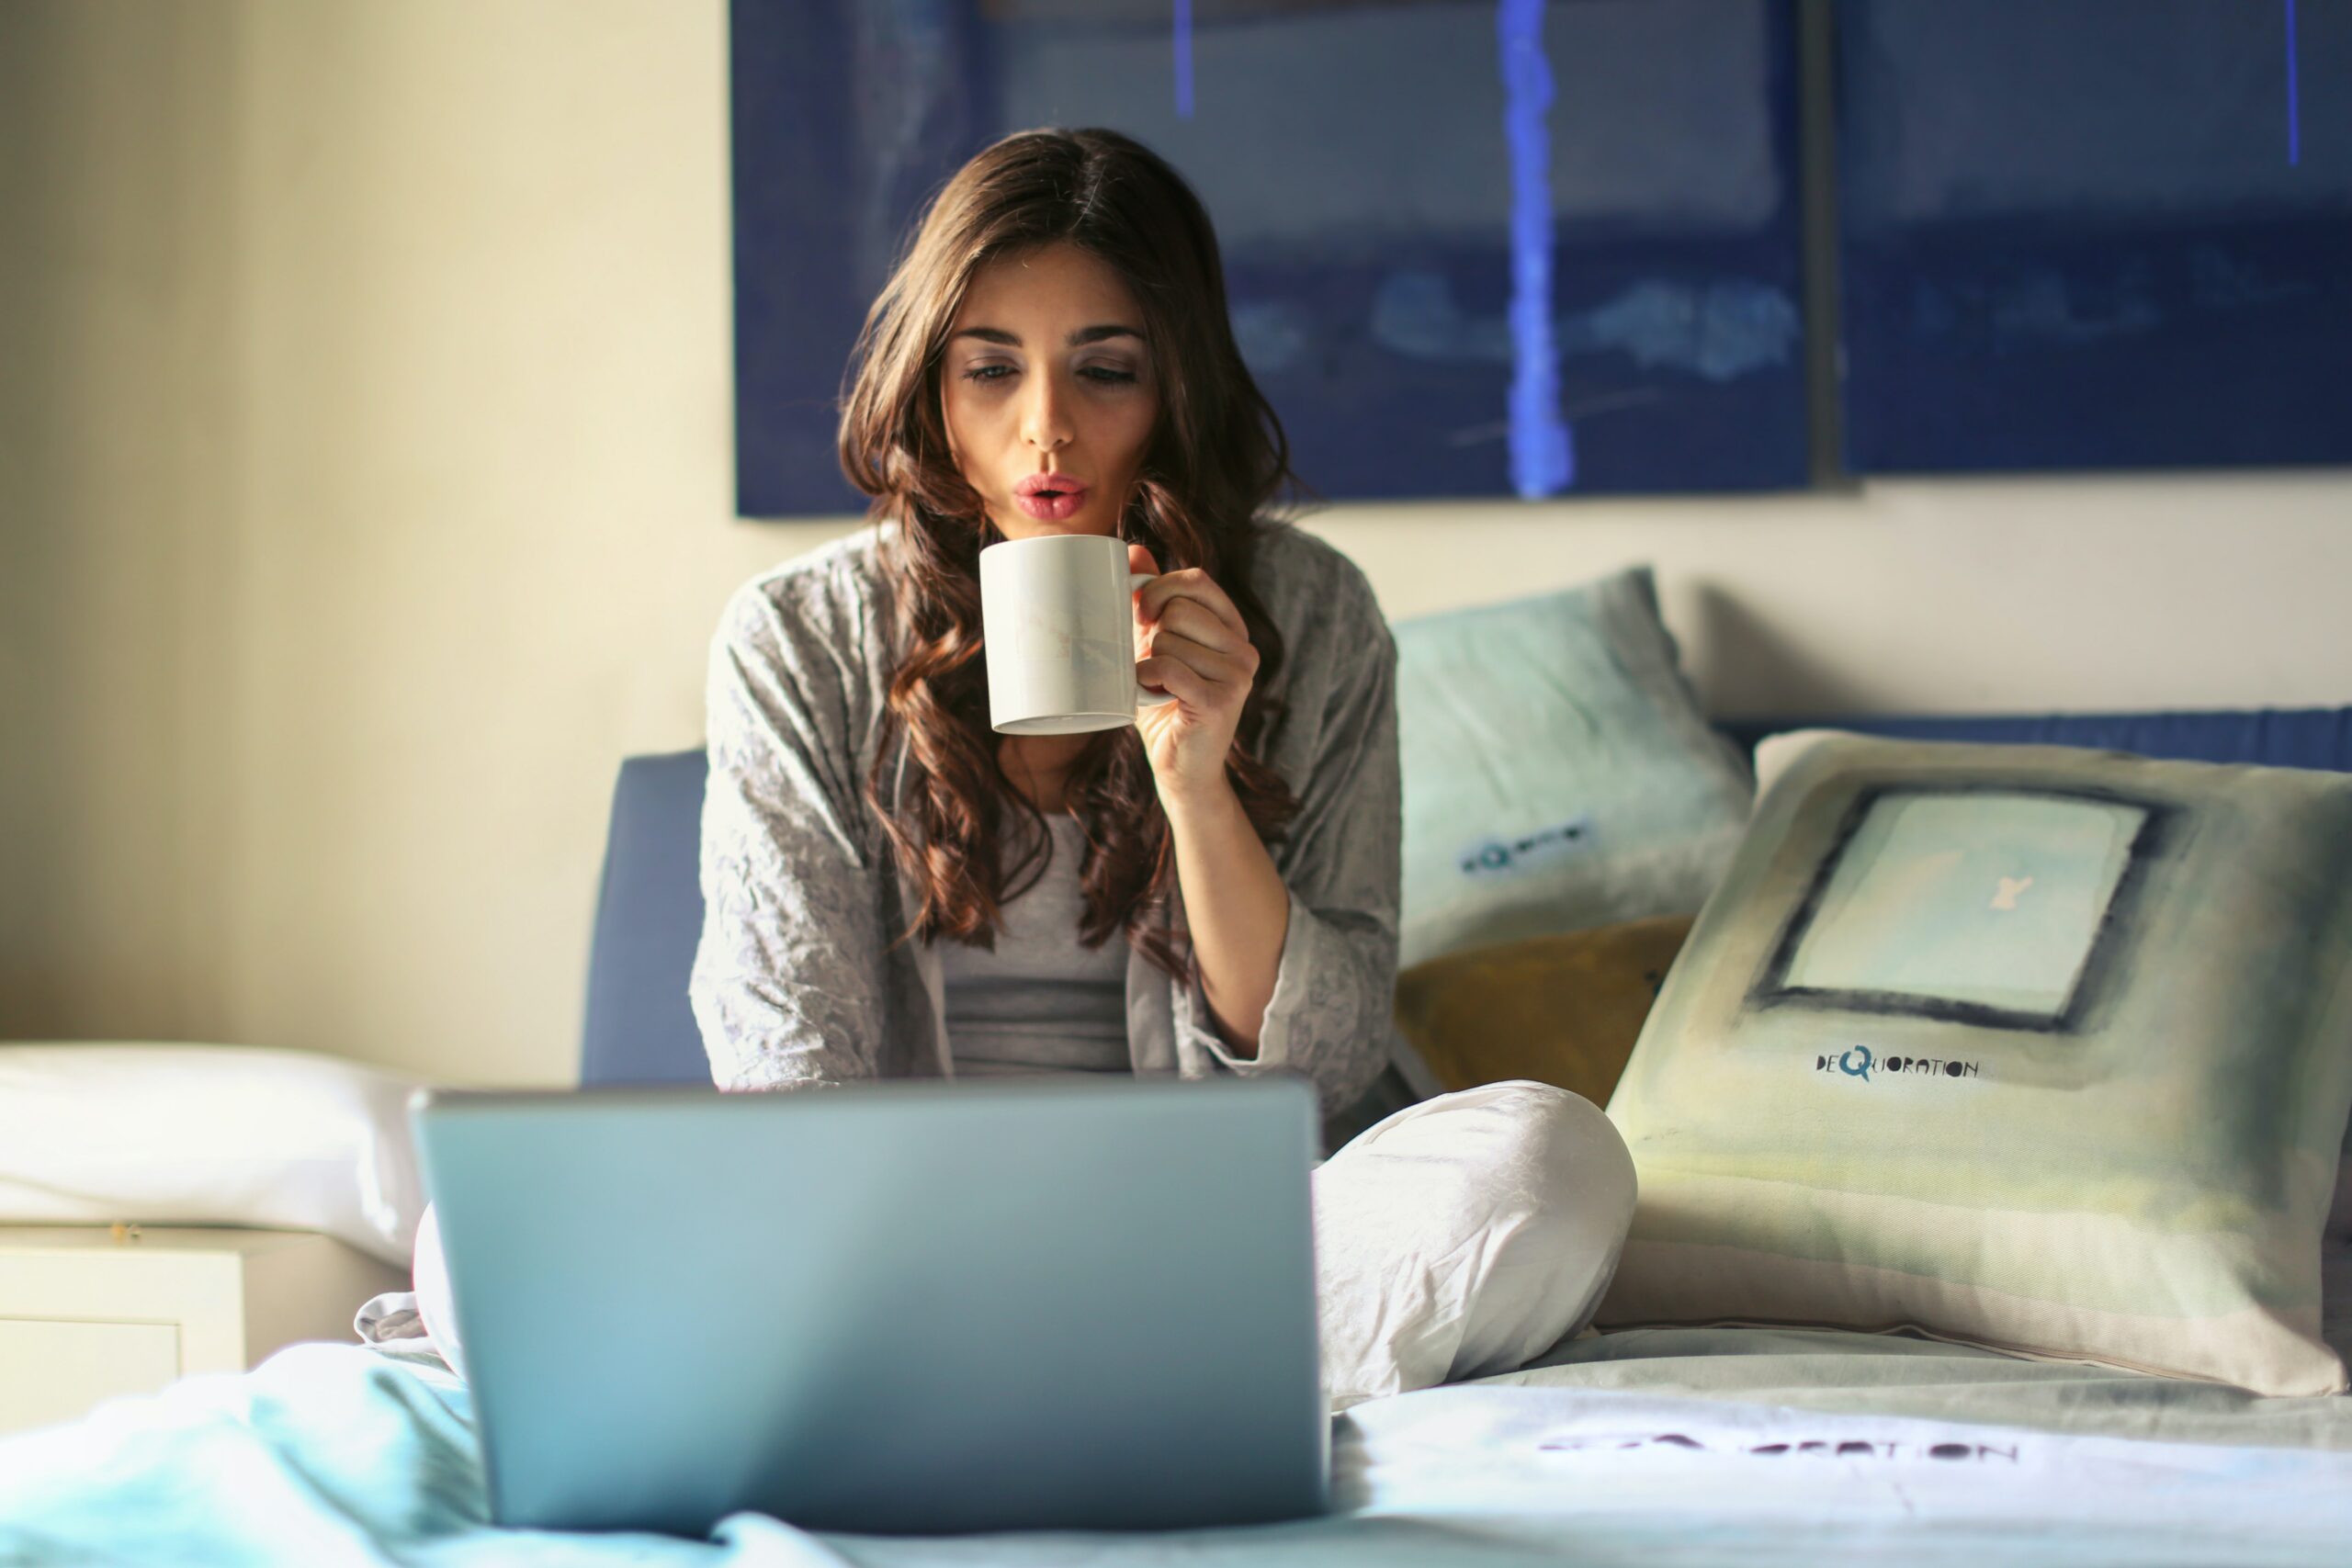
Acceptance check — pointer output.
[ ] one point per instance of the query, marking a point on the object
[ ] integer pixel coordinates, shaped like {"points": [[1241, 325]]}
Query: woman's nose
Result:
{"points": [[1046, 421]]}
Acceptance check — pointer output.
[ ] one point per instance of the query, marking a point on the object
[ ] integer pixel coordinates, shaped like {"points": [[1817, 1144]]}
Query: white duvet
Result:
{"points": [[348, 1455]]}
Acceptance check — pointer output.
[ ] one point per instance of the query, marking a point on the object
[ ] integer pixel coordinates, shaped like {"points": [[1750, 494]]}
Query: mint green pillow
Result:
{"points": [[1557, 771], [2036, 1048]]}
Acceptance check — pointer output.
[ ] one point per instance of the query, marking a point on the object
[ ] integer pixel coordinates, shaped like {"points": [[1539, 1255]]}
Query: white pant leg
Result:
{"points": [[431, 1279], [1465, 1236]]}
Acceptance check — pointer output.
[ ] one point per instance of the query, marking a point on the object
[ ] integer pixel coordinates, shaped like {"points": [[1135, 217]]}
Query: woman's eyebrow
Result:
{"points": [[1077, 339]]}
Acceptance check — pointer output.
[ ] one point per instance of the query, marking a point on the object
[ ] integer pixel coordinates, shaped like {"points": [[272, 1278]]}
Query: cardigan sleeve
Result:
{"points": [[1332, 1014], [787, 977]]}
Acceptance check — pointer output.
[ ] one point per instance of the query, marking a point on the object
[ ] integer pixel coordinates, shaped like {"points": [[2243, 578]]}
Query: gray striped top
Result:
{"points": [[1042, 1003]]}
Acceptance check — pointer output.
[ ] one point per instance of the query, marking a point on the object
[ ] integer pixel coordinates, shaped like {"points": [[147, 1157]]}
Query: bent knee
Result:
{"points": [[1581, 1148], [1550, 1143], [1568, 1149]]}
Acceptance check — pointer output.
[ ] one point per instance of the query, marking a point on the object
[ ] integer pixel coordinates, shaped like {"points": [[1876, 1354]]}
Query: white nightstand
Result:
{"points": [[86, 1313]]}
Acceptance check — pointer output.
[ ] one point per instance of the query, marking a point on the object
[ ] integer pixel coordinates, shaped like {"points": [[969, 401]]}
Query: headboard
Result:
{"points": [[639, 1029]]}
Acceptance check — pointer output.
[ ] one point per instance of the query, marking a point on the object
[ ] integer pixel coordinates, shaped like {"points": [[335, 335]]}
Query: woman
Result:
{"points": [[894, 890]]}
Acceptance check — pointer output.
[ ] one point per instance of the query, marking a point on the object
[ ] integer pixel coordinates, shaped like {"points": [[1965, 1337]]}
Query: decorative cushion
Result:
{"points": [[2033, 1047], [2336, 1266], [2294, 737], [208, 1135], [1557, 771], [1562, 1010]]}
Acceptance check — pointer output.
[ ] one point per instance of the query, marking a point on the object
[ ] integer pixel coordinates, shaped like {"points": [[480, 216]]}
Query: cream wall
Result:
{"points": [[364, 497]]}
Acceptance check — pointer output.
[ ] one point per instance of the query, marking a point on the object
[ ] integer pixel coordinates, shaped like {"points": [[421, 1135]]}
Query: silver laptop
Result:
{"points": [[900, 1307]]}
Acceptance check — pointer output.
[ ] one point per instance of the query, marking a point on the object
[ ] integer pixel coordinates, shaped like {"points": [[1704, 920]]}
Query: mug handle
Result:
{"points": [[1145, 696]]}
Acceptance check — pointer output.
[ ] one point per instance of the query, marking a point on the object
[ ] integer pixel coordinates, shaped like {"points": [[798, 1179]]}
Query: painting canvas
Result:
{"points": [[2094, 234], [1485, 248]]}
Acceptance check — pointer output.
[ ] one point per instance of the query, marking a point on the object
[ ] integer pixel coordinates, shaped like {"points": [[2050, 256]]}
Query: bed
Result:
{"points": [[1755, 1446], [1751, 1446]]}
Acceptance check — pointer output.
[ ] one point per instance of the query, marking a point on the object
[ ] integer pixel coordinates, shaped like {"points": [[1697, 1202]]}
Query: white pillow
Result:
{"points": [[208, 1134]]}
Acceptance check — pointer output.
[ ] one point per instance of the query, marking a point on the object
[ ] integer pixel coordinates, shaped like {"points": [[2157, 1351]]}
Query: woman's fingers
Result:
{"points": [[1214, 664]]}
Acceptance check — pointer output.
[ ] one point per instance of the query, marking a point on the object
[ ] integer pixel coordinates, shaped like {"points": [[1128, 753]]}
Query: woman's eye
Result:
{"points": [[1099, 374]]}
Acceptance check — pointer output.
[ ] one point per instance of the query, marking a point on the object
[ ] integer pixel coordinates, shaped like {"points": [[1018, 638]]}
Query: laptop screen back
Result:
{"points": [[896, 1307]]}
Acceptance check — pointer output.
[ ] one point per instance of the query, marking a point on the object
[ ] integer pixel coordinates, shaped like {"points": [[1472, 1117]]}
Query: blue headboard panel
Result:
{"points": [[649, 910], [2278, 737], [649, 919]]}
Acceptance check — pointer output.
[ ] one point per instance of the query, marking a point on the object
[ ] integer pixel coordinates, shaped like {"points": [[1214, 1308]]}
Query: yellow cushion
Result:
{"points": [[1563, 1008]]}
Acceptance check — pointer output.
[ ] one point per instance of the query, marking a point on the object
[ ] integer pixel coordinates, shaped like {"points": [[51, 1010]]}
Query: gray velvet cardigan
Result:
{"points": [[792, 985]]}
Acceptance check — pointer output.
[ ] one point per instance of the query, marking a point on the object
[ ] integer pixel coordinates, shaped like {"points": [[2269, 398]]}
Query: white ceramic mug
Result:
{"points": [[1058, 623]]}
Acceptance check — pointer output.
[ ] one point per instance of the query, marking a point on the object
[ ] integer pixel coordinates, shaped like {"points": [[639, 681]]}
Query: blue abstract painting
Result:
{"points": [[1489, 247], [2095, 233]]}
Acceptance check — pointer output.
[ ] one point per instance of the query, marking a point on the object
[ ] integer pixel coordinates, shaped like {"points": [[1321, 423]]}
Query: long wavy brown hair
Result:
{"points": [[1215, 461]]}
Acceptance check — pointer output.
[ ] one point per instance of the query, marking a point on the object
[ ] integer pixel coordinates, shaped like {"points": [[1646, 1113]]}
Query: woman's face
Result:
{"points": [[1046, 371]]}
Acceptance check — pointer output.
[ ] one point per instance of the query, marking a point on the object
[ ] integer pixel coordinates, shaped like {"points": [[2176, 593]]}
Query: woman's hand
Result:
{"points": [[1191, 642]]}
